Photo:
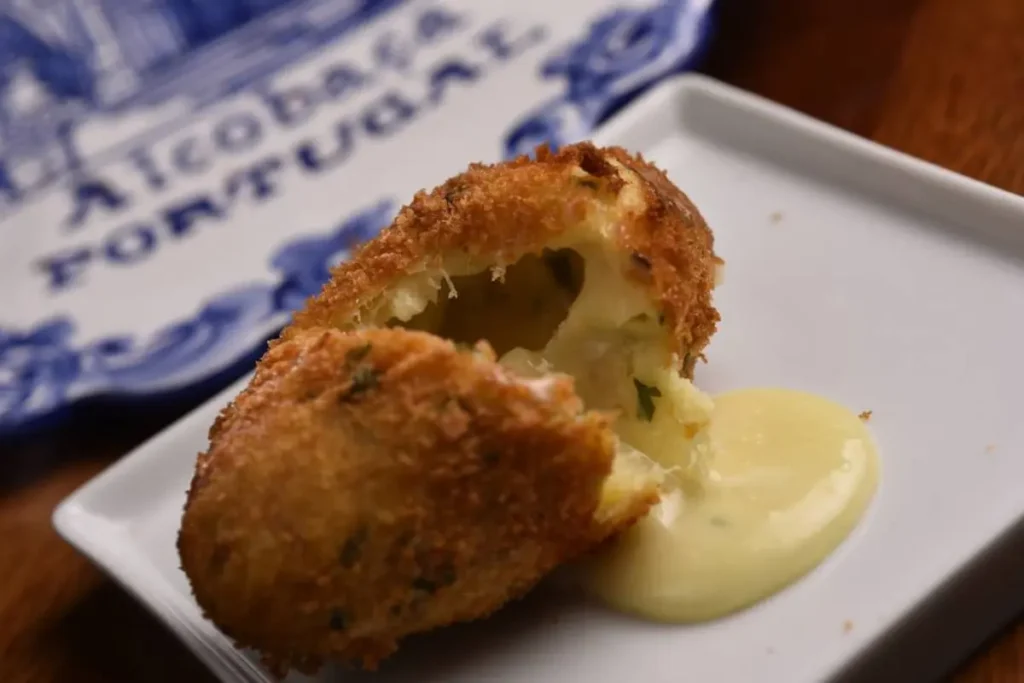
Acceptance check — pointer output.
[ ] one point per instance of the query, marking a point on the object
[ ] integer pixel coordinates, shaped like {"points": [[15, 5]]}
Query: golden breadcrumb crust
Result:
{"points": [[503, 211], [367, 485], [373, 483]]}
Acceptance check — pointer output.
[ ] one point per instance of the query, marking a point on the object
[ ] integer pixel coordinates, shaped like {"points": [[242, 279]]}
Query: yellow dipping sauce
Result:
{"points": [[791, 475]]}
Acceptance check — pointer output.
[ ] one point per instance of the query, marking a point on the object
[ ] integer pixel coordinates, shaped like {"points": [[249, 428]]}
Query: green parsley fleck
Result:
{"points": [[445, 576], [356, 355], [364, 379], [426, 585], [338, 620], [645, 399], [352, 550], [641, 261]]}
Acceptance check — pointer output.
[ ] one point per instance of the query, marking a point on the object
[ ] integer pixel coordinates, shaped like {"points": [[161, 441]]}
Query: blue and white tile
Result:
{"points": [[176, 176]]}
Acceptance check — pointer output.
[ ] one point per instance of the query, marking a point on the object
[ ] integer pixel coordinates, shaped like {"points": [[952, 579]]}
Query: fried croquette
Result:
{"points": [[374, 484], [492, 216], [587, 260], [585, 263]]}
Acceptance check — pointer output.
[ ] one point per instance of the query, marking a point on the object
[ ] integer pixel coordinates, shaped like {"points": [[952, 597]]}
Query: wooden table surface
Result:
{"points": [[939, 79]]}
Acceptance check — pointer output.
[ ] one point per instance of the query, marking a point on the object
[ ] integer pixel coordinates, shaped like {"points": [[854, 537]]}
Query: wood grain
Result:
{"points": [[939, 79], [60, 620]]}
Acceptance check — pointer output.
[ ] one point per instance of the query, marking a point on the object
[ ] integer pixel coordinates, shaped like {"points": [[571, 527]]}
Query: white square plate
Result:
{"points": [[853, 271]]}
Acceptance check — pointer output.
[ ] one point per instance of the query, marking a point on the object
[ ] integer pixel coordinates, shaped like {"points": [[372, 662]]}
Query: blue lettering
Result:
{"points": [[181, 219], [392, 51], [7, 186], [497, 41], [65, 268], [388, 114], [238, 133], [291, 107], [257, 177], [436, 23], [311, 158], [145, 165], [130, 244], [341, 80], [448, 72], [187, 158], [93, 191]]}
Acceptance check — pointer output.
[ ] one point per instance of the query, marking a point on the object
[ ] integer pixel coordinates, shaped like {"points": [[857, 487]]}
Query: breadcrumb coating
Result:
{"points": [[373, 482], [496, 214]]}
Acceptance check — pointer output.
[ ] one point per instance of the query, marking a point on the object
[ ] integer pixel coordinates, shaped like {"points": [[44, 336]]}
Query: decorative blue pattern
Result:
{"points": [[41, 370], [88, 57], [625, 52]]}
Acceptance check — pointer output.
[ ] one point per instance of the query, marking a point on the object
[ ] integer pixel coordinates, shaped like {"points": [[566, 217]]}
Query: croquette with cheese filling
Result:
{"points": [[588, 261], [462, 477], [492, 216]]}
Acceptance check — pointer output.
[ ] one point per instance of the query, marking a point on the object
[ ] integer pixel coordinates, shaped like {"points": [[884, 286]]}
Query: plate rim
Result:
{"points": [[134, 573]]}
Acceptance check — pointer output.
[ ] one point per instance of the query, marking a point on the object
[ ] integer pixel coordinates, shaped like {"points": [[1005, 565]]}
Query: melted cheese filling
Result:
{"points": [[574, 311], [754, 495], [613, 345]]}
